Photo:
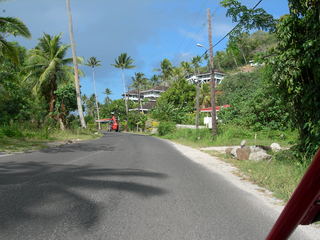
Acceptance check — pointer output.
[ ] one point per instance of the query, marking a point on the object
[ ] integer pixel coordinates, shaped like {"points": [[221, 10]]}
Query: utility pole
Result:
{"points": [[197, 102], [213, 82]]}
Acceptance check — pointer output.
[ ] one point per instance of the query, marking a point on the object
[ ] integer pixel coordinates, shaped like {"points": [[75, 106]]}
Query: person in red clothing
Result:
{"points": [[114, 123]]}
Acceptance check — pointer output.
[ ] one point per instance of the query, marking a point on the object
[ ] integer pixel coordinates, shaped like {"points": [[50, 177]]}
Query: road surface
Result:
{"points": [[122, 186]]}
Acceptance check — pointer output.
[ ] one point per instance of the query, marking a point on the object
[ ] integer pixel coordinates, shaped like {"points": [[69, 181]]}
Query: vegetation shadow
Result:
{"points": [[83, 147], [46, 194]]}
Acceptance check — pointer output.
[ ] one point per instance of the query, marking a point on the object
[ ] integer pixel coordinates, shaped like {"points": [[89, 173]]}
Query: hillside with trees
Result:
{"points": [[271, 67]]}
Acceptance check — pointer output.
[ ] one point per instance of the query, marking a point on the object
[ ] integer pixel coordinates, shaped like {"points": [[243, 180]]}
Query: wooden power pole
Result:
{"points": [[213, 82]]}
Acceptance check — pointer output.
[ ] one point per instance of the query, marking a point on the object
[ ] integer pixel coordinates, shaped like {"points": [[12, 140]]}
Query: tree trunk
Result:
{"points": [[235, 60], [96, 96], [139, 100], [52, 103], [197, 105], [75, 63], [125, 98], [62, 126], [53, 97], [124, 92], [61, 117], [244, 57]]}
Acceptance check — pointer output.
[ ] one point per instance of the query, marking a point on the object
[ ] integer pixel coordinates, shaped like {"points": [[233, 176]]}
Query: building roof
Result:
{"points": [[132, 92], [218, 108], [156, 88]]}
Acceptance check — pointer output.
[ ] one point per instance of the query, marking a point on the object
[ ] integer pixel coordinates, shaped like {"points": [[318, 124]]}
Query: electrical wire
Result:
{"points": [[257, 4]]}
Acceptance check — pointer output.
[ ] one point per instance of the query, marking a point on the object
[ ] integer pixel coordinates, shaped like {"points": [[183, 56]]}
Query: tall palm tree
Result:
{"points": [[107, 92], [75, 64], [93, 62], [166, 70], [139, 81], [11, 27], [47, 67], [124, 62]]}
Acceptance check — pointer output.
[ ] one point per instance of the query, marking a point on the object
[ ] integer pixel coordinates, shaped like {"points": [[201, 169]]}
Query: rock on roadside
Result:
{"points": [[253, 153], [259, 156], [275, 147]]}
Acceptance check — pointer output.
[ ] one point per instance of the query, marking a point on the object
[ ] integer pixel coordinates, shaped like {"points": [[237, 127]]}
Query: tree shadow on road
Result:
{"points": [[83, 147], [50, 194]]}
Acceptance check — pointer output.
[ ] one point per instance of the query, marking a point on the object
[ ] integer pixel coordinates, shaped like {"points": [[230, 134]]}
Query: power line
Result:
{"points": [[257, 4]]}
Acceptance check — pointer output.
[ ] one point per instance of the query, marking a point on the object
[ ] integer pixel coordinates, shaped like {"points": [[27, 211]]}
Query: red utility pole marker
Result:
{"points": [[303, 206]]}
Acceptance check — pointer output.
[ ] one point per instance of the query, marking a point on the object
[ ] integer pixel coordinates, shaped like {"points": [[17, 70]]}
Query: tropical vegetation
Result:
{"points": [[271, 83]]}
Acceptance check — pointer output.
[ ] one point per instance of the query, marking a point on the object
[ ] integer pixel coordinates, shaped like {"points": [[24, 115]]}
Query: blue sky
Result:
{"points": [[148, 30]]}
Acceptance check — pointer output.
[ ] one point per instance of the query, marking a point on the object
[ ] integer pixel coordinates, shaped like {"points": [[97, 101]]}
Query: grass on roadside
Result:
{"points": [[230, 135], [280, 175], [18, 138]]}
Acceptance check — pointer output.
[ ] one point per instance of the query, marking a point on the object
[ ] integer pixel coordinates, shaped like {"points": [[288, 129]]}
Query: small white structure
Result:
{"points": [[208, 119], [208, 122], [206, 77]]}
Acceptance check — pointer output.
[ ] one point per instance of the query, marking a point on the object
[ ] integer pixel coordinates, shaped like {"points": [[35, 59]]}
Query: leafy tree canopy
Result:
{"points": [[248, 19], [296, 68]]}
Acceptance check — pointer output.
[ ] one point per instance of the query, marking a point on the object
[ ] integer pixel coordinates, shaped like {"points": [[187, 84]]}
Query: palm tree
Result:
{"points": [[124, 62], [154, 80], [139, 81], [93, 63], [11, 27], [166, 70], [186, 68], [196, 63], [89, 103], [47, 67], [107, 92], [75, 64]]}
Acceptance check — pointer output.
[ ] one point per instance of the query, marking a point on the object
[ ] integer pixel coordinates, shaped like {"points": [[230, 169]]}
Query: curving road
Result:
{"points": [[122, 186]]}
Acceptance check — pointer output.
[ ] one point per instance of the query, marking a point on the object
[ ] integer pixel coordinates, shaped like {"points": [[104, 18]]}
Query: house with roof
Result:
{"points": [[148, 97], [206, 77]]}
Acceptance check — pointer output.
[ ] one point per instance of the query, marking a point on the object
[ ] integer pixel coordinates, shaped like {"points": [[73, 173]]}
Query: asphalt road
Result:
{"points": [[125, 187]]}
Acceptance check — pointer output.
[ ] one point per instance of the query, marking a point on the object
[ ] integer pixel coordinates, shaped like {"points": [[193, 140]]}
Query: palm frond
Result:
{"points": [[124, 62], [93, 62], [9, 50], [48, 72], [14, 26]]}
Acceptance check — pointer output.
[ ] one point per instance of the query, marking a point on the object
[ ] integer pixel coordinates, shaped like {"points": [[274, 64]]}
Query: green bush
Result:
{"points": [[137, 121], [254, 103], [166, 128], [10, 131]]}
